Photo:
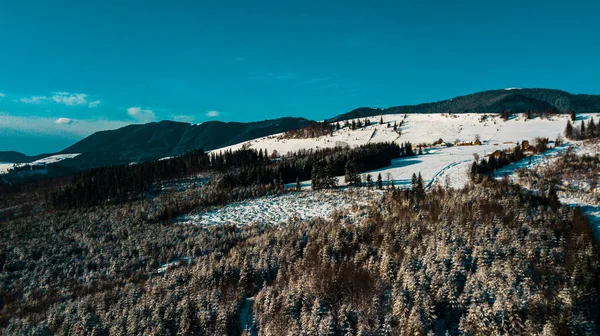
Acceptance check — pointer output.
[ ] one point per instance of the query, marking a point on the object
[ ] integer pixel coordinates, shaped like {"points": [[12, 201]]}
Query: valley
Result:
{"points": [[406, 220]]}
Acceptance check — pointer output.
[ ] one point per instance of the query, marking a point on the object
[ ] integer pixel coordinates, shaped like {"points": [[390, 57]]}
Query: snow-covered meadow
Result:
{"points": [[5, 166], [301, 205], [440, 165]]}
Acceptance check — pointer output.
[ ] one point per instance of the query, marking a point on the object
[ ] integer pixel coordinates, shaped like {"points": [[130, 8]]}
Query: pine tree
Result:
{"points": [[573, 115], [316, 175], [298, 185], [379, 182], [381, 120], [351, 177], [369, 181], [413, 181], [569, 133], [420, 182], [582, 130], [329, 179], [591, 129], [420, 150]]}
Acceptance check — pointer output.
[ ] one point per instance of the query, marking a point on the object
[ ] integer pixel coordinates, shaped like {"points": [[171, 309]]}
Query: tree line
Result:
{"points": [[228, 169], [582, 131]]}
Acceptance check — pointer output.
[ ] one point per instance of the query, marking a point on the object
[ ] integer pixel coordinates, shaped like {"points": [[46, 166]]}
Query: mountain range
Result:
{"points": [[493, 101], [136, 143]]}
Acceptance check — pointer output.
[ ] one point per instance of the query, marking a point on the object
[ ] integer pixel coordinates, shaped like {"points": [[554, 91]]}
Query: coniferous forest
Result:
{"points": [[490, 259], [100, 254]]}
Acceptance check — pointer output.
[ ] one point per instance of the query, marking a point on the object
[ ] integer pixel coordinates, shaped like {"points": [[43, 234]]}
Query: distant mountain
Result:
{"points": [[16, 157], [136, 143], [494, 101]]}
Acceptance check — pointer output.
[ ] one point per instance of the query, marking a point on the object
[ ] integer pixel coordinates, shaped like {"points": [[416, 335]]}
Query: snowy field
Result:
{"points": [[5, 167], [424, 129], [278, 209], [440, 166]]}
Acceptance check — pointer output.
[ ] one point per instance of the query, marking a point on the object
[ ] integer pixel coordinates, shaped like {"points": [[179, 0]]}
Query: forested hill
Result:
{"points": [[137, 143], [16, 157], [494, 101]]}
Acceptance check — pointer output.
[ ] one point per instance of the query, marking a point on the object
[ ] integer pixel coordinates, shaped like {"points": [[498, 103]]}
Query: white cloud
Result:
{"points": [[212, 114], [184, 118], [33, 99], [70, 99], [140, 115], [42, 126], [94, 104], [63, 121], [2, 95]]}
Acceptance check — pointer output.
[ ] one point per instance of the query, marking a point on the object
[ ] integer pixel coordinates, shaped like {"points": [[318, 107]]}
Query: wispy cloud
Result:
{"points": [[61, 127], [141, 115], [329, 86], [213, 114], [2, 95], [62, 98], [33, 100], [273, 76], [63, 121], [184, 118], [286, 75], [316, 80], [70, 99]]}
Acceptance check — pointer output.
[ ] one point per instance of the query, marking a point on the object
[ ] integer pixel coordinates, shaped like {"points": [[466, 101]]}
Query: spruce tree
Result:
{"points": [[582, 130], [298, 185], [381, 121], [316, 176], [329, 179], [569, 134], [591, 129], [351, 176], [379, 182], [369, 181], [420, 182]]}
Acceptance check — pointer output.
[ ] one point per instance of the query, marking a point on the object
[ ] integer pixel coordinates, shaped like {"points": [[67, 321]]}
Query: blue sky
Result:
{"points": [[69, 68]]}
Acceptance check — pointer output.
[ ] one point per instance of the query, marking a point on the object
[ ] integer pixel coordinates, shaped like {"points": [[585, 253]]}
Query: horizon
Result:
{"points": [[259, 120], [80, 68]]}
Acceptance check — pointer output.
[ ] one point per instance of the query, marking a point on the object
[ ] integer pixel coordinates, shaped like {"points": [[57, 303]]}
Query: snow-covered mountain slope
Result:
{"points": [[439, 165], [5, 167], [423, 128]]}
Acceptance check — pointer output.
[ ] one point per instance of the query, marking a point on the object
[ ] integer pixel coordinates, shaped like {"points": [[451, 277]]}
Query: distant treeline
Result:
{"points": [[120, 183], [319, 166], [232, 169], [583, 131]]}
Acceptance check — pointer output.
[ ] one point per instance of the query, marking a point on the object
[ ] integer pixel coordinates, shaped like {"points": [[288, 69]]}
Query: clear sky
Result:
{"points": [[69, 68]]}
